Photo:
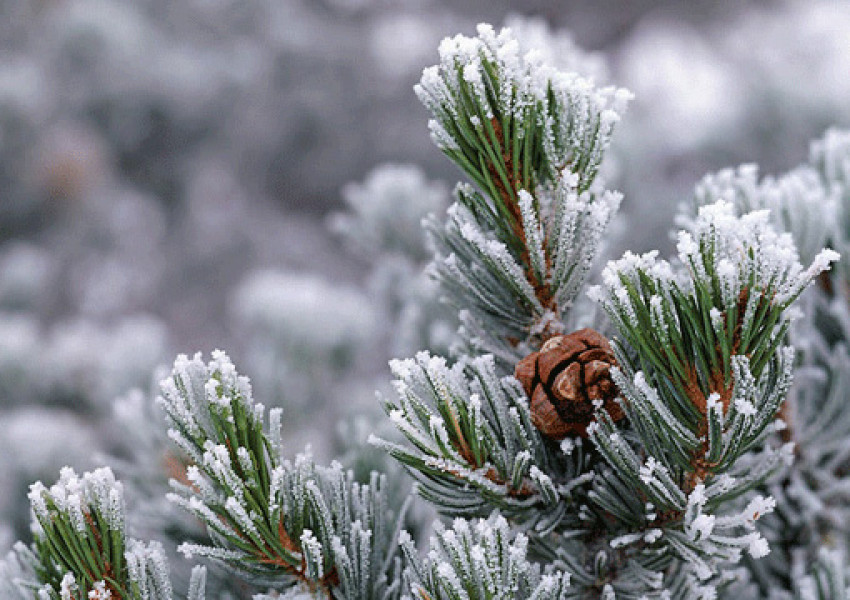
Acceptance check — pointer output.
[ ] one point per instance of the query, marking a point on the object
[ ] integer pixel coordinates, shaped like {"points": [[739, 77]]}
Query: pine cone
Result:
{"points": [[564, 378]]}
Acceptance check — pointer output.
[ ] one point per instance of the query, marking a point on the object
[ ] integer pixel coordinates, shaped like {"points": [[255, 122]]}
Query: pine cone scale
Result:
{"points": [[568, 383], [596, 354], [526, 372], [595, 371], [546, 417], [549, 367]]}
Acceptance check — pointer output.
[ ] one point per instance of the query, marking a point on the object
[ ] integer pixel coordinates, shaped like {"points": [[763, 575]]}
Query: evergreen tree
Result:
{"points": [[653, 455]]}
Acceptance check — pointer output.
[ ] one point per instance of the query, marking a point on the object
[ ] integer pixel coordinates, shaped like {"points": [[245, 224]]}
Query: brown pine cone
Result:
{"points": [[564, 378]]}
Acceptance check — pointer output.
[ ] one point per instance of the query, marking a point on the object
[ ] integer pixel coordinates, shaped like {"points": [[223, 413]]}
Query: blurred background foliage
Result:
{"points": [[188, 175]]}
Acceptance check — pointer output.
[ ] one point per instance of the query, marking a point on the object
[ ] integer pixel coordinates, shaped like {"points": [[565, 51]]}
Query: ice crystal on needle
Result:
{"points": [[505, 86], [81, 551]]}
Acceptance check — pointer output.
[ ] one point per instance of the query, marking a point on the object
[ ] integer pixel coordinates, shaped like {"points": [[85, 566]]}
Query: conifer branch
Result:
{"points": [[478, 560], [275, 521], [672, 473], [806, 535], [473, 447], [531, 139], [702, 348], [81, 551]]}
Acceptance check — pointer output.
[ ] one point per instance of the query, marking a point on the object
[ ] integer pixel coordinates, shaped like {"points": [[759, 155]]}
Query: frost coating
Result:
{"points": [[483, 557], [86, 513], [282, 522], [514, 253]]}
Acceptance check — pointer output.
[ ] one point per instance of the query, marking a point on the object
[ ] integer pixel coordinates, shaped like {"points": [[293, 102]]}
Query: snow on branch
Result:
{"points": [[703, 374], [728, 297], [515, 252], [799, 202], [511, 121], [286, 523], [479, 560], [81, 551], [472, 445]]}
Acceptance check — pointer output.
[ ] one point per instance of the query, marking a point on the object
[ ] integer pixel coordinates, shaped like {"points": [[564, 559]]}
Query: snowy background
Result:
{"points": [[182, 176]]}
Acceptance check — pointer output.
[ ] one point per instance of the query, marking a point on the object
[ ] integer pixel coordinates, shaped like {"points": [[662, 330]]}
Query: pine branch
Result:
{"points": [[274, 521], [480, 560], [702, 343], [808, 204], [740, 279], [81, 551], [511, 122], [472, 445], [514, 254], [703, 375]]}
